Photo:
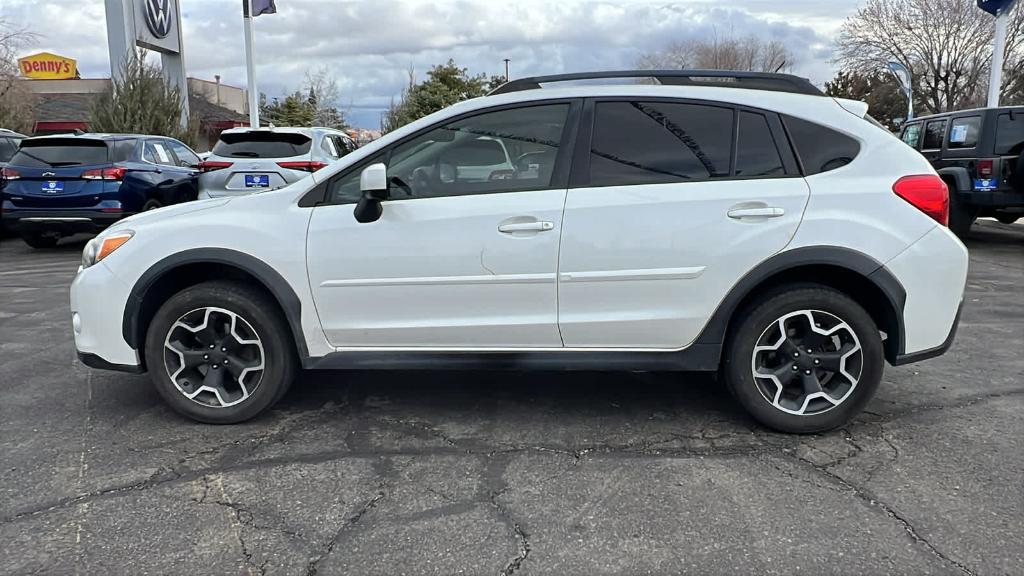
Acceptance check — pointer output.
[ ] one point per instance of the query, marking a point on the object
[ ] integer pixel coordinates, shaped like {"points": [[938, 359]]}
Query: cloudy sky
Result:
{"points": [[369, 45]]}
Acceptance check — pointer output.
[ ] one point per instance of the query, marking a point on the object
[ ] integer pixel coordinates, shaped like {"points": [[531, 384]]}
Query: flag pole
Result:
{"points": [[250, 65]]}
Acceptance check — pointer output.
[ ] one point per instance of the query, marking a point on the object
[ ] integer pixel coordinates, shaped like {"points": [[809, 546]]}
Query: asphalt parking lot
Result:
{"points": [[501, 473]]}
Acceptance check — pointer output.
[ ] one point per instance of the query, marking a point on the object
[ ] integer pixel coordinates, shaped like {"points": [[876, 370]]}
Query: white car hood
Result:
{"points": [[166, 212]]}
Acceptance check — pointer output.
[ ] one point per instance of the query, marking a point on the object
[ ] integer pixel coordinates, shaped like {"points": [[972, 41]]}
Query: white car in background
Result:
{"points": [[719, 221], [247, 160]]}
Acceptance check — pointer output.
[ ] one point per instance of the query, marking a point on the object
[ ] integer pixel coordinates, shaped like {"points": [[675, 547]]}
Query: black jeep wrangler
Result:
{"points": [[978, 154]]}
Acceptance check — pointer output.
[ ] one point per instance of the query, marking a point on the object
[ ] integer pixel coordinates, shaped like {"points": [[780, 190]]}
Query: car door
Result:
{"points": [[672, 203], [169, 177], [454, 261], [188, 162]]}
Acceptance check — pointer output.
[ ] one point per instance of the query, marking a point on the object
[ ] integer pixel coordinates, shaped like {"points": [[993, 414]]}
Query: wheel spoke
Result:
{"points": [[832, 361], [811, 384], [784, 374], [190, 357]]}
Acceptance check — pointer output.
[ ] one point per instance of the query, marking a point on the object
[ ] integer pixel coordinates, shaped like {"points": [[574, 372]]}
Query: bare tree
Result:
{"points": [[325, 97], [946, 43], [749, 53], [17, 106]]}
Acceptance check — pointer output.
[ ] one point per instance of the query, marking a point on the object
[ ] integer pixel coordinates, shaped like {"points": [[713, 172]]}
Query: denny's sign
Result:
{"points": [[46, 66]]}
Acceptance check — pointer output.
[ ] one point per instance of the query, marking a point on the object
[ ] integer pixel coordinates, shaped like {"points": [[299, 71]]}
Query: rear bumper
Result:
{"points": [[63, 221], [994, 199], [936, 351]]}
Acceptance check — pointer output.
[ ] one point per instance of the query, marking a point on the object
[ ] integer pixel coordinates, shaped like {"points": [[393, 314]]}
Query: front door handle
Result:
{"points": [[767, 212], [526, 227]]}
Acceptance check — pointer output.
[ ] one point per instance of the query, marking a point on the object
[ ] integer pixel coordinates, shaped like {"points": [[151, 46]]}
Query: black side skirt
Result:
{"points": [[696, 358]]}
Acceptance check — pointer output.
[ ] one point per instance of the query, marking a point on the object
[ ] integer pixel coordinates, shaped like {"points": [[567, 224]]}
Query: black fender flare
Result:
{"points": [[270, 278], [959, 175], [715, 331]]}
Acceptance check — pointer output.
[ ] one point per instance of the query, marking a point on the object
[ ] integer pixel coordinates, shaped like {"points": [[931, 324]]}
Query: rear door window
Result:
{"points": [[820, 149], [964, 132], [157, 152], [1010, 133], [911, 135], [8, 146], [659, 142], [57, 152], [262, 144], [756, 152], [934, 134]]}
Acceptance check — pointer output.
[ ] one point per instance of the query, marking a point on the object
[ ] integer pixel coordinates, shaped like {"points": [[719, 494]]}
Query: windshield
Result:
{"points": [[262, 144], [57, 152]]}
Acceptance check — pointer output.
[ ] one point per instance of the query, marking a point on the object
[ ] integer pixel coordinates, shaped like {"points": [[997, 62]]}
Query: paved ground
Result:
{"points": [[495, 473]]}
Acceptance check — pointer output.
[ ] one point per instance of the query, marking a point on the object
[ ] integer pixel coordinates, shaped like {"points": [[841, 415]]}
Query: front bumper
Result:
{"points": [[98, 300]]}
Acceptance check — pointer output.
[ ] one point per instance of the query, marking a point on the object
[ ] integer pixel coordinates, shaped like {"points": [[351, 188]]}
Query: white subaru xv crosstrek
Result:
{"points": [[706, 221]]}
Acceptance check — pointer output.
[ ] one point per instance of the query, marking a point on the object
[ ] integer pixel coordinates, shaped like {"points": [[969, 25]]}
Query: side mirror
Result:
{"points": [[373, 182]]}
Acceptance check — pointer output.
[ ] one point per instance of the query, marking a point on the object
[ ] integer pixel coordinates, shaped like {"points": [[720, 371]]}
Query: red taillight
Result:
{"points": [[104, 174], [305, 166], [10, 174], [985, 168], [928, 193], [212, 165]]}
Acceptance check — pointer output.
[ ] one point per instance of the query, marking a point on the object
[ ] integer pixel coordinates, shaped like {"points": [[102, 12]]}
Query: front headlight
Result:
{"points": [[102, 246]]}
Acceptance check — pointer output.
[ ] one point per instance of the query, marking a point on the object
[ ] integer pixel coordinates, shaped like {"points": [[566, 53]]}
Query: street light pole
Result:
{"points": [[995, 81], [250, 65], [506, 70]]}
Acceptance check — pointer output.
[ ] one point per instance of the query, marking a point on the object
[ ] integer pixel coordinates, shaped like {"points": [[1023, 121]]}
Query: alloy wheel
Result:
{"points": [[807, 362], [214, 357]]}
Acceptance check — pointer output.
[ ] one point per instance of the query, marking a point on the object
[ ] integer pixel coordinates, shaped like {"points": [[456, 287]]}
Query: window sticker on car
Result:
{"points": [[958, 134]]}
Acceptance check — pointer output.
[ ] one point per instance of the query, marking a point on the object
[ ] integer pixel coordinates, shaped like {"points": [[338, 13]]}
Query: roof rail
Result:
{"points": [[716, 78]]}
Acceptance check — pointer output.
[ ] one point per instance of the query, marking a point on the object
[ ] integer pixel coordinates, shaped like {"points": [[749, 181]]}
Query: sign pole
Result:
{"points": [[995, 80], [250, 65]]}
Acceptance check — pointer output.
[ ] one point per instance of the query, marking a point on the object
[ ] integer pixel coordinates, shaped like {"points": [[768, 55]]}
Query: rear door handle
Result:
{"points": [[526, 227], [769, 212]]}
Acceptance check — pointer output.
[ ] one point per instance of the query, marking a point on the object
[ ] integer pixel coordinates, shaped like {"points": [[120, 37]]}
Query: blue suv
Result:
{"points": [[56, 186]]}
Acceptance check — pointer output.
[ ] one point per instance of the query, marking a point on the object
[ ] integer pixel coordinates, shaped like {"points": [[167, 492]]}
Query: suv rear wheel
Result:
{"points": [[961, 215], [805, 359], [220, 352]]}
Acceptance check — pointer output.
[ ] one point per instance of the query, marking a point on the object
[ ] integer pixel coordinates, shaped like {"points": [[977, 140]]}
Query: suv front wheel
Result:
{"points": [[805, 359], [220, 352]]}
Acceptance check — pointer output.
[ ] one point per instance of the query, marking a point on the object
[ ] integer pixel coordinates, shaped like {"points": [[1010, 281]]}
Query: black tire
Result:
{"points": [[1007, 218], [41, 241], [961, 215], [261, 314], [151, 204], [756, 321]]}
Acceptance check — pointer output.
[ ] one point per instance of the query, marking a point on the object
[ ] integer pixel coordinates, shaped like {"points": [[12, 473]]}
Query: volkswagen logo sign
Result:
{"points": [[158, 17]]}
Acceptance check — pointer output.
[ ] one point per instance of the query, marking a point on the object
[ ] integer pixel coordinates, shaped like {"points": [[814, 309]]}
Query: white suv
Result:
{"points": [[711, 221]]}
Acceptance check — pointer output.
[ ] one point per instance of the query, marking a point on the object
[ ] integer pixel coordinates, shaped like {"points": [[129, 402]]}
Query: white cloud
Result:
{"points": [[369, 45]]}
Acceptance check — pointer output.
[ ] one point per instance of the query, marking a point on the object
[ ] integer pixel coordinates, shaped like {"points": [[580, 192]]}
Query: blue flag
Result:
{"points": [[259, 7]]}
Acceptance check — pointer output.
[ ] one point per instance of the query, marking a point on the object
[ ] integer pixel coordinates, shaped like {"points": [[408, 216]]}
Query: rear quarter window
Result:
{"points": [[1010, 133], [56, 152], [820, 149], [262, 145], [964, 132]]}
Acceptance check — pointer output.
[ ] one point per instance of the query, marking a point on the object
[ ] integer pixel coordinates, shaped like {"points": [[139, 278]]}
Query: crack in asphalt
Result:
{"points": [[312, 566], [865, 496]]}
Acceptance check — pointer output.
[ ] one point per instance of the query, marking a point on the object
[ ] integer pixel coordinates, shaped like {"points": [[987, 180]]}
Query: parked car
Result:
{"points": [[55, 186], [9, 141], [247, 160], [978, 154], [734, 222]]}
